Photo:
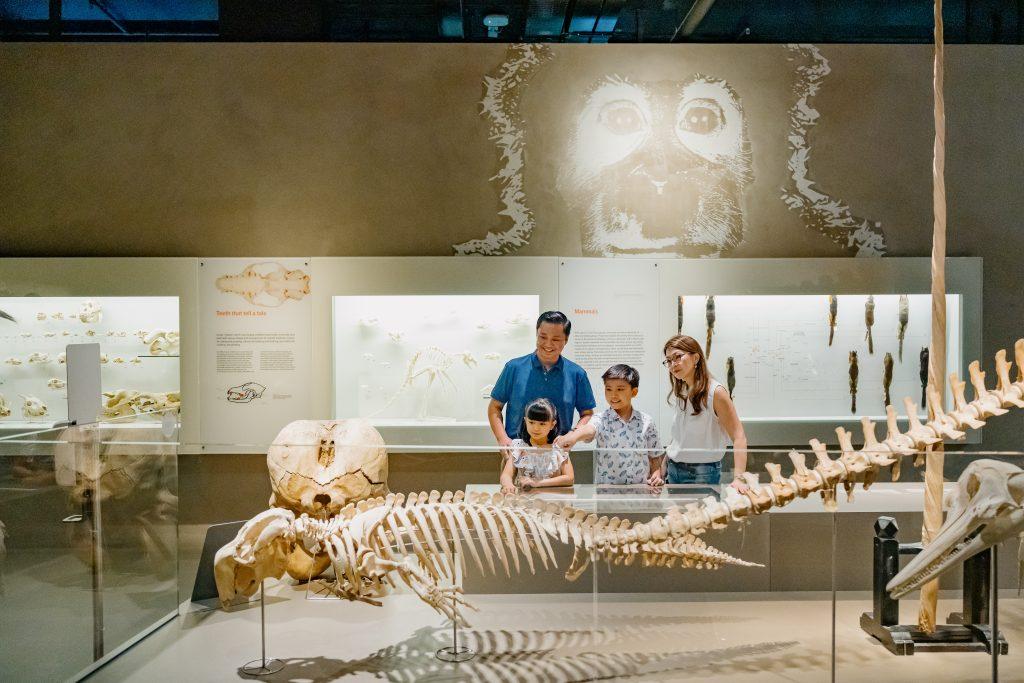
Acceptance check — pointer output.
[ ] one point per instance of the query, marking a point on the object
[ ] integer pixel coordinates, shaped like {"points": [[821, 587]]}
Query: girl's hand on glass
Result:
{"points": [[508, 489], [655, 480], [527, 482], [739, 485]]}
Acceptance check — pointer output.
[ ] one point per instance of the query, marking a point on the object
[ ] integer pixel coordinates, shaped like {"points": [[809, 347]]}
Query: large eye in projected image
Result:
{"points": [[702, 117], [621, 117]]}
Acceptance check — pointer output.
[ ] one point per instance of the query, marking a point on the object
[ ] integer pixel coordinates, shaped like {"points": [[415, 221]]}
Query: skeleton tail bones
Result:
{"points": [[424, 539]]}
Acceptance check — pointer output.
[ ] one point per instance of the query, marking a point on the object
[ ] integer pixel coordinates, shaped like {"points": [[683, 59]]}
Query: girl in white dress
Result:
{"points": [[705, 421], [533, 461]]}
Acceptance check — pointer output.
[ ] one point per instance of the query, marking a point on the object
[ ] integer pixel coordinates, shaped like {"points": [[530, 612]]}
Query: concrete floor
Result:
{"points": [[783, 637]]}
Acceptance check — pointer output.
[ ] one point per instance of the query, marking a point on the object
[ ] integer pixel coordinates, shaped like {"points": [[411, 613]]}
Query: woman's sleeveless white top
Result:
{"points": [[703, 432]]}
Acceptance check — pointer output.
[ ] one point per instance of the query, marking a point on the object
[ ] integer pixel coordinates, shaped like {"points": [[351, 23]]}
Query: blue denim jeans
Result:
{"points": [[694, 473]]}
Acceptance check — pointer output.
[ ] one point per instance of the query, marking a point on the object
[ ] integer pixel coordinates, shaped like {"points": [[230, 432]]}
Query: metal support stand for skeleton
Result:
{"points": [[455, 653], [967, 631], [262, 666]]}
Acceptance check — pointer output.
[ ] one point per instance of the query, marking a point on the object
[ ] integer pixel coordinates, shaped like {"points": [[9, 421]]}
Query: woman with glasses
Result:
{"points": [[705, 422]]}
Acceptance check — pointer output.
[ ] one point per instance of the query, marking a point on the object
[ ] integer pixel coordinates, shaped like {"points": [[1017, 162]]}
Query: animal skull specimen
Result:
{"points": [[266, 284], [317, 468], [33, 407], [38, 358], [5, 407], [90, 312], [162, 342], [985, 509], [127, 403], [56, 383]]}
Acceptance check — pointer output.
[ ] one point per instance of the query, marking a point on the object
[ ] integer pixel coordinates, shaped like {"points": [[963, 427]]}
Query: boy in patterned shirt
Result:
{"points": [[619, 430]]}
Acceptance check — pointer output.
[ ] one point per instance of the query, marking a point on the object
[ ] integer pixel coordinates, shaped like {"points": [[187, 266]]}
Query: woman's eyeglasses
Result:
{"points": [[672, 360]]}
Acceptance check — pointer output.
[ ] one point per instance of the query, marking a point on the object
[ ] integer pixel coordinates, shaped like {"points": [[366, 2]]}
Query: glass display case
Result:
{"points": [[139, 342], [88, 543], [425, 360]]}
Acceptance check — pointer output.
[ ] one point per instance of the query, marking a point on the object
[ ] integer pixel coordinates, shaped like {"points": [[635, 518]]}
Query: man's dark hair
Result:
{"points": [[624, 372], [556, 318]]}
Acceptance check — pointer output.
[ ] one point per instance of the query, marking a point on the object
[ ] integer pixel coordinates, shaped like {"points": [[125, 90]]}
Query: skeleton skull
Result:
{"points": [[984, 510], [319, 467], [5, 407], [33, 407], [90, 312]]}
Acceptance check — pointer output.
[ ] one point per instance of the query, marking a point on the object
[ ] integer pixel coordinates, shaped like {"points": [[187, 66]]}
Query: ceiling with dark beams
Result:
{"points": [[568, 21]]}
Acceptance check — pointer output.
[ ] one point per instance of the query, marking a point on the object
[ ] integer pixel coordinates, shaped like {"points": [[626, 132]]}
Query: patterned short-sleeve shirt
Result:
{"points": [[536, 463], [617, 467]]}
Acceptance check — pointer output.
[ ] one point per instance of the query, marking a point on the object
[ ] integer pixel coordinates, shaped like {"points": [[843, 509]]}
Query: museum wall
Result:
{"points": [[414, 150]]}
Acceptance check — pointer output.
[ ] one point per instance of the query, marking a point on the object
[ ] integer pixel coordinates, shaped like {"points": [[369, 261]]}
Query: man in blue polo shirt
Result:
{"points": [[541, 374]]}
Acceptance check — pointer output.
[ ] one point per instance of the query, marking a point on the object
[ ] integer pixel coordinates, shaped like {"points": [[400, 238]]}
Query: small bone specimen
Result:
{"points": [[246, 393], [709, 315], [62, 357], [5, 407], [679, 314], [492, 356], [162, 342], [38, 358], [65, 333], [56, 383], [517, 319], [141, 334], [730, 374], [854, 372], [90, 333], [886, 377], [26, 335], [118, 360], [40, 316], [922, 370], [103, 358], [57, 316], [369, 322], [482, 326], [136, 361], [90, 312], [11, 360], [903, 317], [396, 337], [33, 407], [49, 334], [833, 312], [128, 403], [368, 357], [869, 321], [266, 284]]}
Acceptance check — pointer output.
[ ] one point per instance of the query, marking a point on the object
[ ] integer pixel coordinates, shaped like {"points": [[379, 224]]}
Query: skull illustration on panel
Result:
{"points": [[658, 167], [318, 467]]}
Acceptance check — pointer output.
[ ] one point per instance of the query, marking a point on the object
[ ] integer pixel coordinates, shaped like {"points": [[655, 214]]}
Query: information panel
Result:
{"points": [[255, 318], [613, 306]]}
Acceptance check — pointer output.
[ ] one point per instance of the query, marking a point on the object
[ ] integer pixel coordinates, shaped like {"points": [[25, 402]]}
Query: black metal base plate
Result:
{"points": [[904, 639]]}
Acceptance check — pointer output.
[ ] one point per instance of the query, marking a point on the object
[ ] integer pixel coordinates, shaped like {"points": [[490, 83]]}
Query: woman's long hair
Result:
{"points": [[541, 410], [697, 395]]}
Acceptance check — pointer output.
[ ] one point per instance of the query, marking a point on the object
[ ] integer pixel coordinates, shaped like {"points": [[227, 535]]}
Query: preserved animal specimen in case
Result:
{"points": [[903, 318], [869, 321]]}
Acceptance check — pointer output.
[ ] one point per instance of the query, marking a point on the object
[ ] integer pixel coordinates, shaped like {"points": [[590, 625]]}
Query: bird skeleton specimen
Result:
{"points": [[709, 316], [5, 407], [162, 342], [33, 407], [869, 321], [730, 374], [434, 364], [266, 284], [90, 312]]}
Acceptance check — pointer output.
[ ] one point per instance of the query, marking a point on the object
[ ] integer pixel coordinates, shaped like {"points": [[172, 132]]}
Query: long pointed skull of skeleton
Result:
{"points": [[985, 509]]}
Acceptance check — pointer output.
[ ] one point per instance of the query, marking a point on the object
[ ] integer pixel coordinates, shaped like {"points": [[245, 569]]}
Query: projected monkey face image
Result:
{"points": [[658, 167]]}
